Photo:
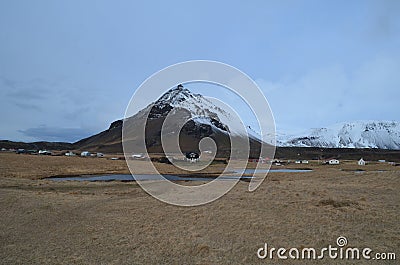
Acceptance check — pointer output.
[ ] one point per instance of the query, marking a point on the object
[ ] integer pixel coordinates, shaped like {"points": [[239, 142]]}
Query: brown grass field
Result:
{"points": [[47, 222]]}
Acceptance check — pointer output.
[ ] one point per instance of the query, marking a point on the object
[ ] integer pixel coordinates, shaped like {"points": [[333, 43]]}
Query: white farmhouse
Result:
{"points": [[301, 161], [138, 156], [44, 152], [361, 162], [333, 162], [85, 153]]}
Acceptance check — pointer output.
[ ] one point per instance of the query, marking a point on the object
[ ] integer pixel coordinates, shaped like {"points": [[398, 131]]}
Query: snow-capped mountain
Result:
{"points": [[359, 134], [201, 109], [190, 117]]}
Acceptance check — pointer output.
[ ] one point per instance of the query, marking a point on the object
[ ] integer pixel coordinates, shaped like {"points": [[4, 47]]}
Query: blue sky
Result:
{"points": [[69, 68]]}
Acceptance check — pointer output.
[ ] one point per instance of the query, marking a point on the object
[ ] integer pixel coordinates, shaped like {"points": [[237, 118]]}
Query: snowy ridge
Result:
{"points": [[201, 109], [359, 134]]}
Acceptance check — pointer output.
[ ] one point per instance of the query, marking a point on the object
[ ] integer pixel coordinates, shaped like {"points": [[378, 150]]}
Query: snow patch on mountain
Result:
{"points": [[202, 109]]}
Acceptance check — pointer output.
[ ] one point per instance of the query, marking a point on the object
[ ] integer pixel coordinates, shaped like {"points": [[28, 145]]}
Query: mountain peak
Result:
{"points": [[174, 96], [199, 108], [178, 89]]}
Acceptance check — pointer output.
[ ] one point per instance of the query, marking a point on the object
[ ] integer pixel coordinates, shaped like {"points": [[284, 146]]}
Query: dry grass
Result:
{"points": [[39, 167], [339, 203], [45, 222], [36, 166]]}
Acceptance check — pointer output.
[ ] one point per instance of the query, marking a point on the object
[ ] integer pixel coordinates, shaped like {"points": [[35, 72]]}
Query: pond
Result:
{"points": [[128, 177], [249, 171]]}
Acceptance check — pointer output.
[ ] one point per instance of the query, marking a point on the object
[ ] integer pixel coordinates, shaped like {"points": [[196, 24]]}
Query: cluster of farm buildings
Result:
{"points": [[47, 152], [189, 156], [331, 161]]}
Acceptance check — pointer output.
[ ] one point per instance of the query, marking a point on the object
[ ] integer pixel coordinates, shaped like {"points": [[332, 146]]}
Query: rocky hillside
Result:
{"points": [[207, 120]]}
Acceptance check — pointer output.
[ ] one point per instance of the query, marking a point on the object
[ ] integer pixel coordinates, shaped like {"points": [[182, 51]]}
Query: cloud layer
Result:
{"points": [[75, 65]]}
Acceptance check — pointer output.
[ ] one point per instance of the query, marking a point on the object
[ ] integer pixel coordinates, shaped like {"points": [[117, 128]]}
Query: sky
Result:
{"points": [[69, 68]]}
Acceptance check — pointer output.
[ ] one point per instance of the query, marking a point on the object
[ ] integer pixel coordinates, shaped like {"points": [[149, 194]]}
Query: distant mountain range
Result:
{"points": [[210, 120], [358, 134]]}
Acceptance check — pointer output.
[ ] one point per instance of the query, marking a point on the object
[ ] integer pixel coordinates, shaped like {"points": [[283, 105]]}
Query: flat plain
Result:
{"points": [[71, 222]]}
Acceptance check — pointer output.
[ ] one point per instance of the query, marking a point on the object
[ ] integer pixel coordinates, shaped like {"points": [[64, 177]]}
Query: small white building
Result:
{"points": [[301, 161], [138, 156], [361, 162], [44, 152], [100, 155], [85, 153], [333, 162], [69, 153]]}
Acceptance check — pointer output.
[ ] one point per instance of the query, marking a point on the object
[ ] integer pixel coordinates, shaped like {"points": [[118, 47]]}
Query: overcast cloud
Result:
{"points": [[68, 69]]}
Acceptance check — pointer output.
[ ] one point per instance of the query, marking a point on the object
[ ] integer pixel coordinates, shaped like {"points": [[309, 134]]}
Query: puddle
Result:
{"points": [[129, 177]]}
